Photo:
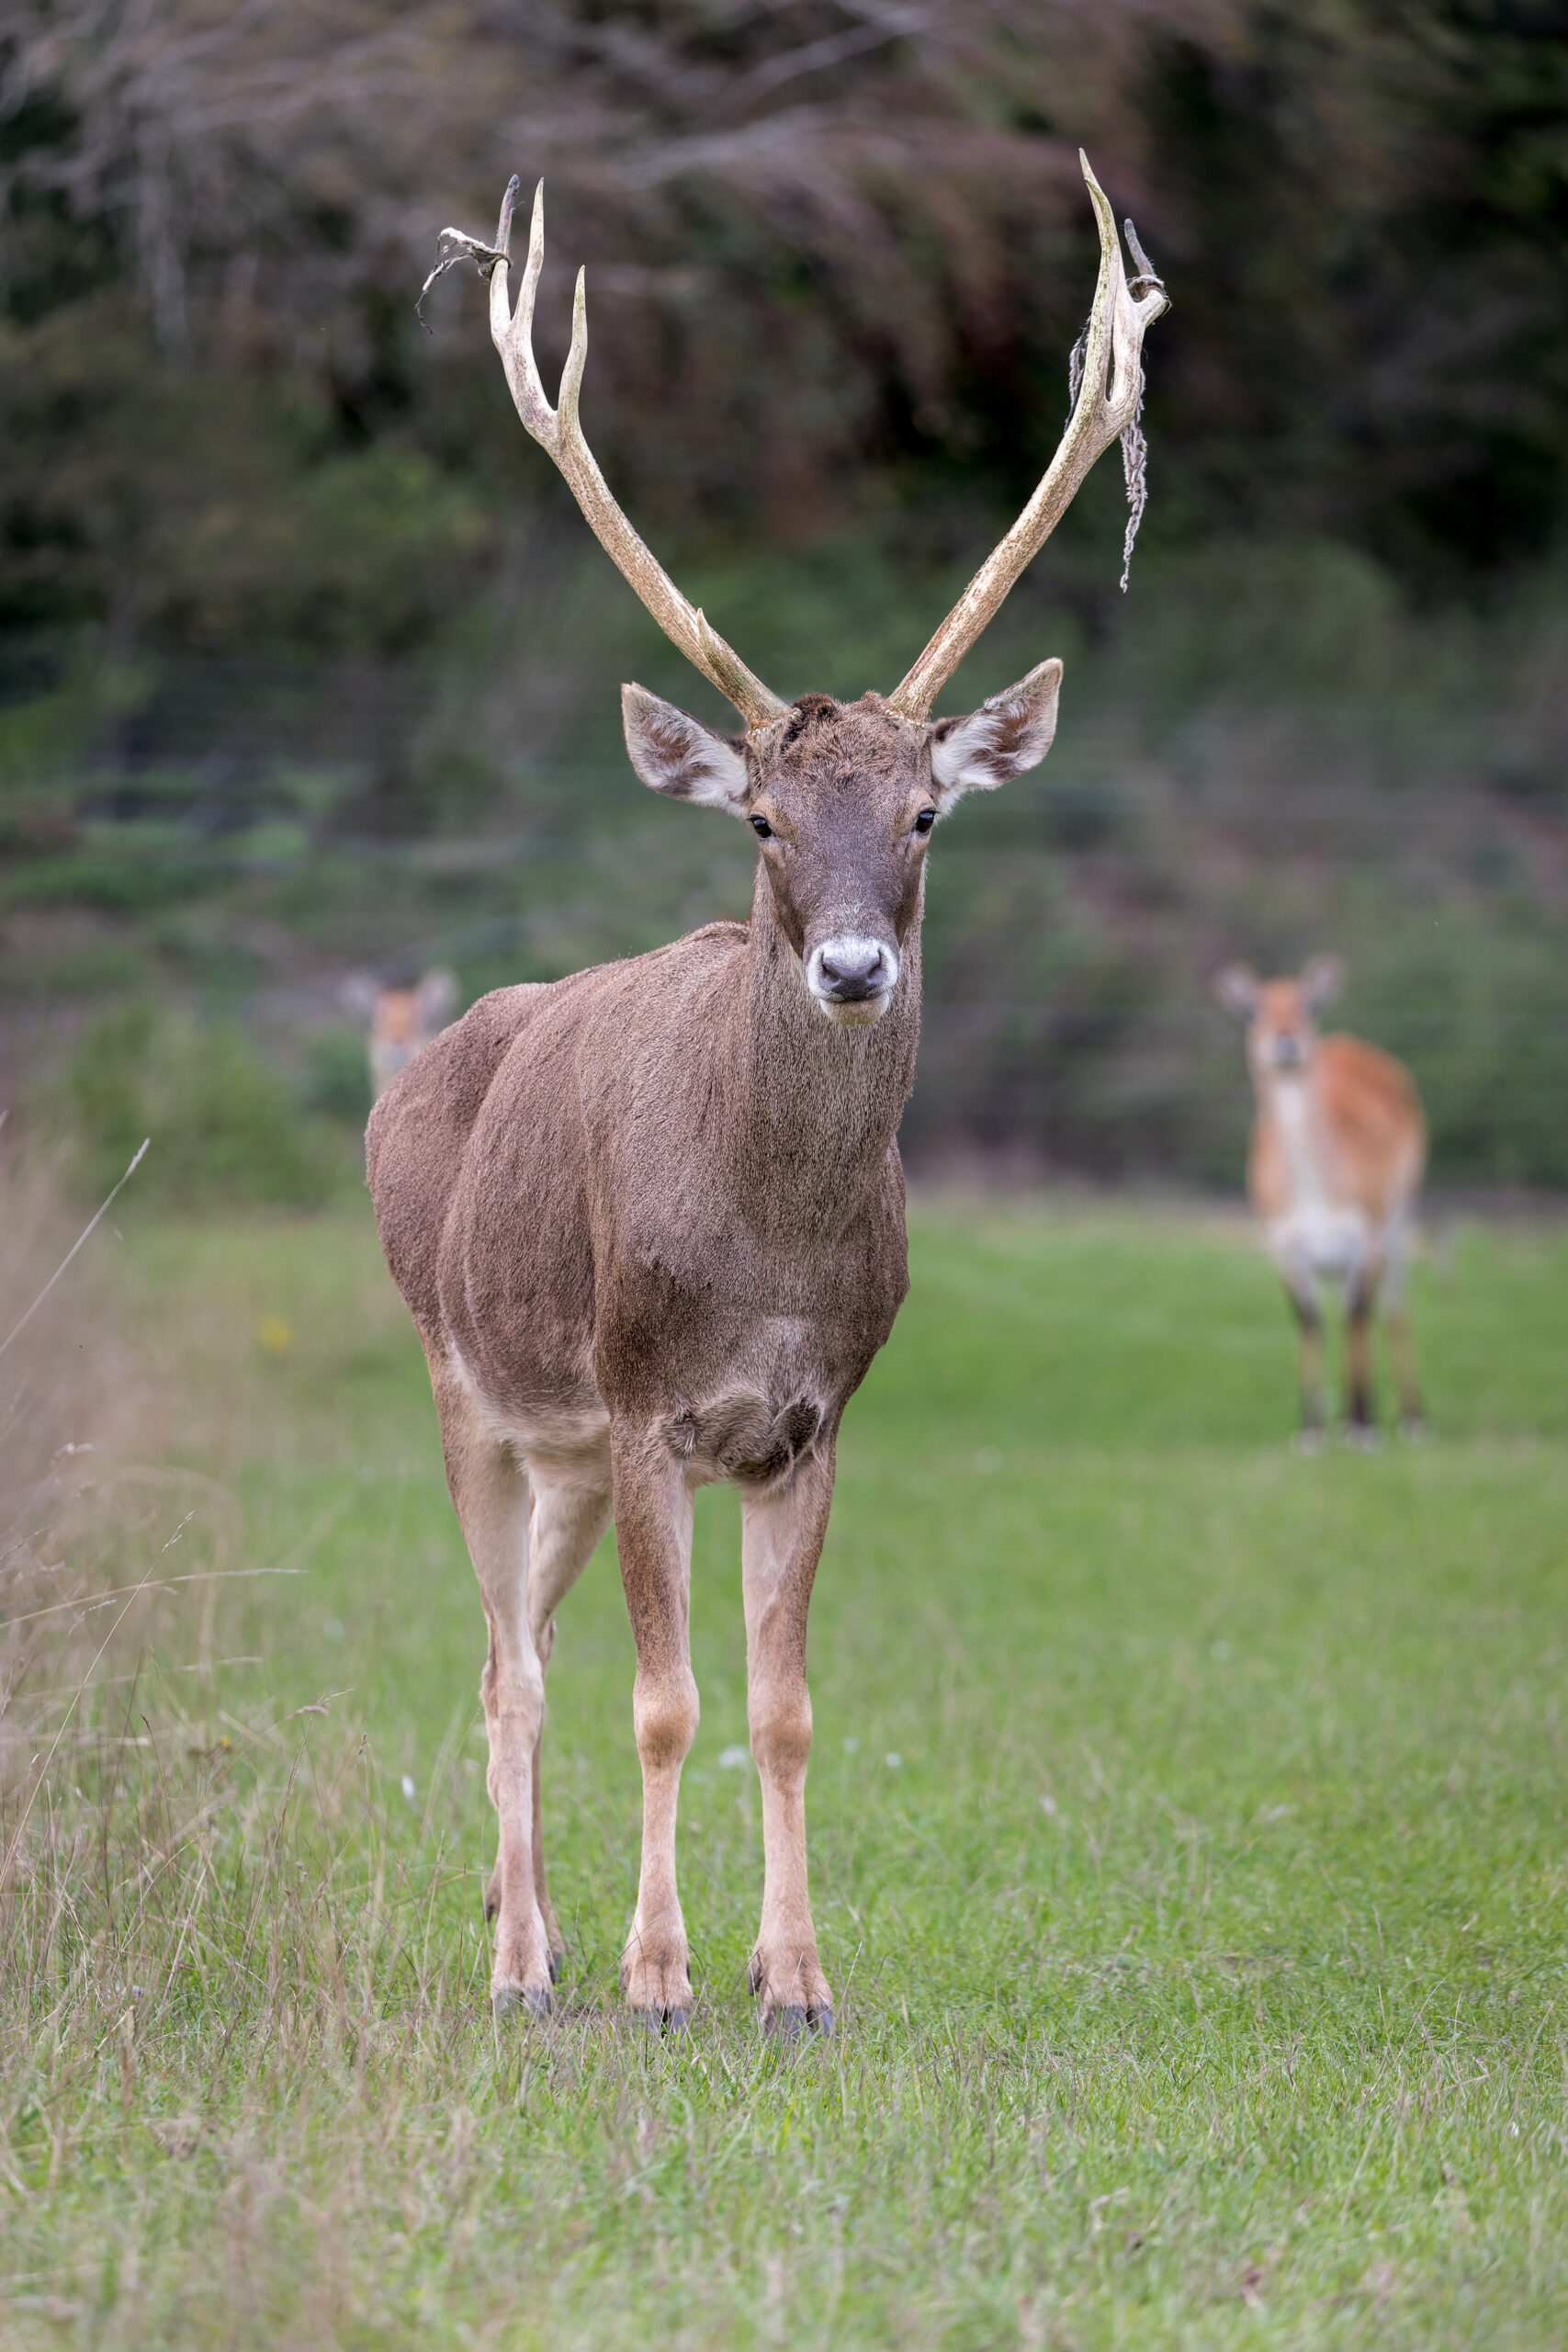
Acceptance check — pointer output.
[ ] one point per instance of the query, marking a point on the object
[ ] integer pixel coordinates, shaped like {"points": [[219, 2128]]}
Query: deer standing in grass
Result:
{"points": [[649, 1219], [1339, 1147]]}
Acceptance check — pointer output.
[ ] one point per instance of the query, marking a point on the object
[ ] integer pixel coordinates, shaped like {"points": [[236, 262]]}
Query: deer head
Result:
{"points": [[1280, 1015], [841, 799], [398, 1022]]}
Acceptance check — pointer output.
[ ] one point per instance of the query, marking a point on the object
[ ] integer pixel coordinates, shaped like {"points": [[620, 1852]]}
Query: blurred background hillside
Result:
{"points": [[307, 661]]}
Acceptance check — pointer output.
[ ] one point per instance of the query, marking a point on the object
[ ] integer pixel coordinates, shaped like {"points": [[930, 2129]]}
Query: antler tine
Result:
{"points": [[560, 431], [1102, 413]]}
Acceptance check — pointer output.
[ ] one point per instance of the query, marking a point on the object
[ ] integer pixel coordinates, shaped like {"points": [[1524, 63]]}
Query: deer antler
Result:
{"points": [[560, 431], [1111, 345]]}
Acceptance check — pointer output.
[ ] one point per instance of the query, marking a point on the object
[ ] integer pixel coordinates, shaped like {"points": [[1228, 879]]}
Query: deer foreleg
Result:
{"points": [[781, 1542], [653, 1536]]}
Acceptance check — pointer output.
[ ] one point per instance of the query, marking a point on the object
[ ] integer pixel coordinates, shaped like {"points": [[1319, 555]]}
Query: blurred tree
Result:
{"points": [[1368, 220], [828, 241]]}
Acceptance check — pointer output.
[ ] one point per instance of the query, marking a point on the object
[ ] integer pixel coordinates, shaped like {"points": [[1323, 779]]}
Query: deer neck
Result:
{"points": [[813, 1107], [1287, 1099]]}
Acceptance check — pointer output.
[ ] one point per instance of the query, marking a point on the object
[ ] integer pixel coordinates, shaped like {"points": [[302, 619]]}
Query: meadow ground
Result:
{"points": [[1188, 1838]]}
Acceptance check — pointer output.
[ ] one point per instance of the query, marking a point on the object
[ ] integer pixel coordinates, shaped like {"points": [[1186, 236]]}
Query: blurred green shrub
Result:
{"points": [[226, 1126], [125, 884], [1480, 1010], [337, 1078]]}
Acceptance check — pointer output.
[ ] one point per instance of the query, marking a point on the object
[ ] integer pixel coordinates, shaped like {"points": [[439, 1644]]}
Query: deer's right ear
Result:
{"points": [[1236, 989], [359, 996], [1321, 981], [676, 755]]}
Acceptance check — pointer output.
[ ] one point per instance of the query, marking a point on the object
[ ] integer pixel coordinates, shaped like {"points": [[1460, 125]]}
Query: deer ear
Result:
{"points": [[359, 995], [1322, 979], [435, 999], [1236, 988], [1006, 737], [678, 756]]}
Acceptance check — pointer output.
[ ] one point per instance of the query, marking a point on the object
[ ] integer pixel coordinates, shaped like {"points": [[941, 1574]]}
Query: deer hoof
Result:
{"points": [[657, 1982], [794, 2022], [657, 2023], [521, 2000], [807, 2005]]}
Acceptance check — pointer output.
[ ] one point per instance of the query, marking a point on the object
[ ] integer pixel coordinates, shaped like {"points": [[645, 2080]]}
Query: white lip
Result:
{"points": [[858, 1014]]}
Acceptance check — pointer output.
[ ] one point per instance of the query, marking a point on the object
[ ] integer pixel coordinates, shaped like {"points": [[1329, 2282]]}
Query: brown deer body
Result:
{"points": [[650, 1218], [1337, 1151]]}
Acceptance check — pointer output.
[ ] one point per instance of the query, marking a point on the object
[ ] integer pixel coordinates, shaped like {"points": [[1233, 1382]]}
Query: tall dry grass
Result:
{"points": [[169, 1856]]}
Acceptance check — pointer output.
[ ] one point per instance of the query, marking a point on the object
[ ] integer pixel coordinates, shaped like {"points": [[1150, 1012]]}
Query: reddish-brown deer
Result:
{"points": [[1338, 1148], [649, 1219]]}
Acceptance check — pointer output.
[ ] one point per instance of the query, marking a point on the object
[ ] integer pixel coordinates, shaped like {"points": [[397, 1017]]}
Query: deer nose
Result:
{"points": [[850, 970]]}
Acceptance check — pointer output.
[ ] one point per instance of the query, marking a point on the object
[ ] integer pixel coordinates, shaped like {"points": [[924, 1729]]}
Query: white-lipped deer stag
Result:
{"points": [[649, 1219], [1337, 1151]]}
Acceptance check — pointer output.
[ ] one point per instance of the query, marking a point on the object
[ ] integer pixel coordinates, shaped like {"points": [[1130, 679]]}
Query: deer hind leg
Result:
{"points": [[490, 1494], [782, 1538], [1361, 1299], [653, 1536], [565, 1524]]}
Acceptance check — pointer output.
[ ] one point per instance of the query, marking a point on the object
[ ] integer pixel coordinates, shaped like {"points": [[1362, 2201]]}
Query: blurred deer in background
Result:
{"points": [[649, 1219], [397, 1022], [1337, 1151]]}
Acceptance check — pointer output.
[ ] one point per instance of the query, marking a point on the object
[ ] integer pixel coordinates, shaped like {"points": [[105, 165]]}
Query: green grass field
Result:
{"points": [[1187, 1834]]}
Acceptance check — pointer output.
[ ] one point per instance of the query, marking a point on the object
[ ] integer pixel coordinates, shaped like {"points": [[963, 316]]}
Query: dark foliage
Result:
{"points": [[836, 250]]}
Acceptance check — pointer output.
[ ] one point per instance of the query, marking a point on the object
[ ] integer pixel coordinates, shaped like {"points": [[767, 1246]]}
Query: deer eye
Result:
{"points": [[762, 828], [925, 821]]}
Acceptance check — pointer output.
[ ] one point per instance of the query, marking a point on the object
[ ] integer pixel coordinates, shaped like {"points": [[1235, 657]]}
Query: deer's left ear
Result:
{"points": [[435, 999], [1006, 737], [679, 755], [1321, 981]]}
